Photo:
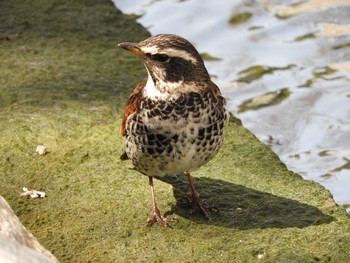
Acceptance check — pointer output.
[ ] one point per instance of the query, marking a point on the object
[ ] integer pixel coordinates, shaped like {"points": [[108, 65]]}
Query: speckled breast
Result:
{"points": [[175, 135]]}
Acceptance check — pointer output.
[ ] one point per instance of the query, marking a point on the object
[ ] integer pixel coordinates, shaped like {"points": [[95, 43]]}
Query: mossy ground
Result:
{"points": [[64, 84]]}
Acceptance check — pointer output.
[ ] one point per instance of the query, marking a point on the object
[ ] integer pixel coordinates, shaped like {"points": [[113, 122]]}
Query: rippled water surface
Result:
{"points": [[283, 67]]}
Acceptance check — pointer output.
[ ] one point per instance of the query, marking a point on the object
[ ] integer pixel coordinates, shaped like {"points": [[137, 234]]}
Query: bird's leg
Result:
{"points": [[155, 214], [196, 204]]}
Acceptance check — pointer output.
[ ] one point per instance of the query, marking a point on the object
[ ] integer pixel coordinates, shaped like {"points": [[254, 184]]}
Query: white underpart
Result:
{"points": [[151, 91], [171, 52]]}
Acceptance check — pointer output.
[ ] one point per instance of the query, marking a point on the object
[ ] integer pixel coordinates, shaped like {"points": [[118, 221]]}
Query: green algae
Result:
{"points": [[341, 46], [320, 73], [240, 18], [257, 72], [305, 37], [206, 56], [64, 84], [266, 100]]}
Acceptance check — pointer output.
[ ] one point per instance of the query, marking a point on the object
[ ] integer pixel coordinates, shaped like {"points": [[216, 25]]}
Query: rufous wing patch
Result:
{"points": [[132, 105]]}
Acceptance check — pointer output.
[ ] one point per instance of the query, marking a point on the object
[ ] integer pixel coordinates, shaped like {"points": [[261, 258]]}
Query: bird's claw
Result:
{"points": [[156, 217], [197, 205]]}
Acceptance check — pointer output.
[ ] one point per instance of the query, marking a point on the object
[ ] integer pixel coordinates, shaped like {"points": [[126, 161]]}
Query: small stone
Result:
{"points": [[41, 150]]}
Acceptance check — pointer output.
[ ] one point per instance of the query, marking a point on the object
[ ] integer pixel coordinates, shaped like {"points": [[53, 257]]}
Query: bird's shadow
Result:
{"points": [[243, 208]]}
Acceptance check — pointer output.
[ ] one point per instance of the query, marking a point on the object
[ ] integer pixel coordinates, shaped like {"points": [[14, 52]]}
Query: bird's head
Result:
{"points": [[169, 59]]}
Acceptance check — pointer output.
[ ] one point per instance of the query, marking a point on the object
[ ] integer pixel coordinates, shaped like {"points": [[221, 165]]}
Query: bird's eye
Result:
{"points": [[160, 57]]}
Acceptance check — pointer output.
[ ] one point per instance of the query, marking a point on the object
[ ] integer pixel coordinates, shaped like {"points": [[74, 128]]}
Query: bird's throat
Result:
{"points": [[160, 89]]}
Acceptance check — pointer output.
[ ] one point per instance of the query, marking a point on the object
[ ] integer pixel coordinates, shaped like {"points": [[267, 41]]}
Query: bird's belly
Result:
{"points": [[170, 146], [183, 155]]}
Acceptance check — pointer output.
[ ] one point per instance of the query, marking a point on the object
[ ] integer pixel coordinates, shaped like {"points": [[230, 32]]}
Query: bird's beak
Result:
{"points": [[132, 47]]}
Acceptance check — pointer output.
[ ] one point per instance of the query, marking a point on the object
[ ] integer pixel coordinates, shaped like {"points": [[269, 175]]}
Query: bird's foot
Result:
{"points": [[156, 217], [197, 205]]}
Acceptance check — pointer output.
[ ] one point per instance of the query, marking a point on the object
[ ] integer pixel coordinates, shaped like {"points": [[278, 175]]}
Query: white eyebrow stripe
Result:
{"points": [[171, 52], [150, 50]]}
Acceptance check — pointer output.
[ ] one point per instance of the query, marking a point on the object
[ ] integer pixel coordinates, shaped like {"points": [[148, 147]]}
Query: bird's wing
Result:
{"points": [[130, 108]]}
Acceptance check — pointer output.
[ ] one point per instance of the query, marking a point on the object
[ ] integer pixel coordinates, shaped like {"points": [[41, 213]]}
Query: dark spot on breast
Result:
{"points": [[175, 137], [174, 116], [160, 149], [167, 109], [180, 110], [169, 149], [190, 100], [209, 120], [150, 150], [195, 114], [149, 103], [192, 130], [156, 112], [160, 137], [145, 129], [190, 103], [165, 117], [209, 129], [151, 137], [201, 133], [182, 101]]}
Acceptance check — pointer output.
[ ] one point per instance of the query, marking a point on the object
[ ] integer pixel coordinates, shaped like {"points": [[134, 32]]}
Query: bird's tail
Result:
{"points": [[124, 156]]}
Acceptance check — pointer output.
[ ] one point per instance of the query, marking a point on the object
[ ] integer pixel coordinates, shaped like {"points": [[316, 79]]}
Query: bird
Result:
{"points": [[174, 119]]}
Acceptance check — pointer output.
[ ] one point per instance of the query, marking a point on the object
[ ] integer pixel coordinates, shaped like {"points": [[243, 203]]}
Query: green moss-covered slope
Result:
{"points": [[63, 85]]}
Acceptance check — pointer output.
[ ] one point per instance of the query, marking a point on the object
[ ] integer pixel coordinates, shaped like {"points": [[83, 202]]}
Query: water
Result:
{"points": [[284, 69]]}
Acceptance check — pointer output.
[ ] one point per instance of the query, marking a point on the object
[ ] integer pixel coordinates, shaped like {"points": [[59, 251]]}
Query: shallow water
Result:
{"points": [[284, 69]]}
